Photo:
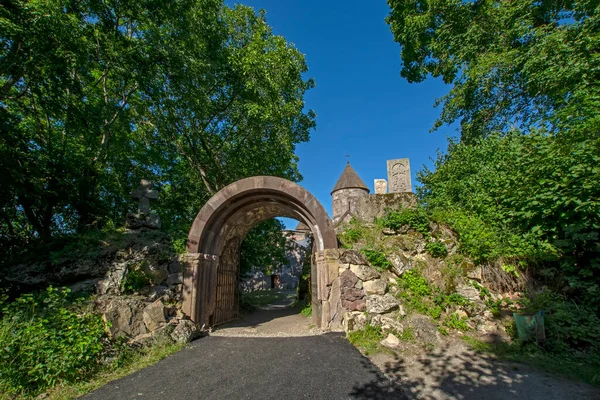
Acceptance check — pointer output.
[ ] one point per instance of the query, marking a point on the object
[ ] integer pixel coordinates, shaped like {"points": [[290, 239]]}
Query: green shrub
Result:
{"points": [[416, 294], [569, 326], [407, 335], [45, 341], [367, 339], [453, 321], [377, 259], [136, 279], [415, 218], [353, 233], [436, 249], [307, 311]]}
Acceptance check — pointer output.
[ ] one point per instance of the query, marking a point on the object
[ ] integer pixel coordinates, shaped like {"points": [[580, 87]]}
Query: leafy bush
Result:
{"points": [[45, 341], [415, 218], [436, 249], [377, 259], [416, 294], [136, 279], [453, 321], [353, 233], [530, 198], [306, 311], [568, 326]]}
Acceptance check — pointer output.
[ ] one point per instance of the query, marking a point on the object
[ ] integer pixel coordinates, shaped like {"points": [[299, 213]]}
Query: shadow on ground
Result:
{"points": [[453, 371]]}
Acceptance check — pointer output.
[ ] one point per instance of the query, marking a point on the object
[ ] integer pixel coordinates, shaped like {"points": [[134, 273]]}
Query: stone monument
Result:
{"points": [[399, 175], [143, 218], [380, 186]]}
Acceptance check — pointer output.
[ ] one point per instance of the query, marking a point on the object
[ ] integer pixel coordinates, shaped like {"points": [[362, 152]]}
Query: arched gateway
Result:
{"points": [[213, 247]]}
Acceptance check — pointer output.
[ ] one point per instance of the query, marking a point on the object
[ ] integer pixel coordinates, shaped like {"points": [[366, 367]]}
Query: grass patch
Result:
{"points": [[367, 339], [260, 298], [307, 311], [586, 369], [407, 335], [377, 259], [138, 360]]}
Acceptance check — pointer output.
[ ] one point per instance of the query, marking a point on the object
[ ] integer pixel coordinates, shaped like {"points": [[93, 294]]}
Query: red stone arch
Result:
{"points": [[221, 225]]}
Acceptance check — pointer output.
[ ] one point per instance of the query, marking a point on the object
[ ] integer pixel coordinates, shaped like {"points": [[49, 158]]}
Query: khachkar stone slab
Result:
{"points": [[399, 175], [380, 186], [144, 218]]}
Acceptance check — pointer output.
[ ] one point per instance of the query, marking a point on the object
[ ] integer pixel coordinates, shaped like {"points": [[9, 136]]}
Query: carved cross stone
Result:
{"points": [[399, 175], [144, 194]]}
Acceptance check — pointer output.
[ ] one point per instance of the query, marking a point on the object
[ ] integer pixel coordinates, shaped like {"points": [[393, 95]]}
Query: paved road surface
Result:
{"points": [[216, 367]]}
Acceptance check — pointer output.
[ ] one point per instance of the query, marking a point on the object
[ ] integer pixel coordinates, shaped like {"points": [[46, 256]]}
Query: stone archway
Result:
{"points": [[213, 246]]}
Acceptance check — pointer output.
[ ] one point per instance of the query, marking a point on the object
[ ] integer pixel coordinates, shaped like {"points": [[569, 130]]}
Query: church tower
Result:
{"points": [[346, 192]]}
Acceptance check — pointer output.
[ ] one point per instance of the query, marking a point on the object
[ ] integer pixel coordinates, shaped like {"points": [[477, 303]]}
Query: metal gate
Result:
{"points": [[227, 302]]}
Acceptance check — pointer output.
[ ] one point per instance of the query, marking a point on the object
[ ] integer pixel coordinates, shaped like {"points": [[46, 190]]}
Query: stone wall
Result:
{"points": [[347, 286], [373, 206]]}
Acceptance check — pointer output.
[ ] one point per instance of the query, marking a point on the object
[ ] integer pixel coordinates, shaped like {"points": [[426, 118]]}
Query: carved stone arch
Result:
{"points": [[214, 240]]}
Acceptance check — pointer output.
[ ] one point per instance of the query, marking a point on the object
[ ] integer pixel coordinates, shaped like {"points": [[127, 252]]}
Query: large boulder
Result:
{"points": [[364, 272], [467, 291], [184, 332], [400, 263], [175, 279], [353, 257], [125, 317], [154, 315], [354, 321], [387, 323], [348, 279], [377, 304], [376, 286]]}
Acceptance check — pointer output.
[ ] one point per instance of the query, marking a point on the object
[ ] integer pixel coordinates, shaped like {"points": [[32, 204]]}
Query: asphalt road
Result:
{"points": [[310, 367]]}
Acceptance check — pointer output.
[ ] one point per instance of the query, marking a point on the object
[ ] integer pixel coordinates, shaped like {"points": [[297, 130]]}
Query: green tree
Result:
{"points": [[95, 95], [264, 247], [530, 63], [521, 183]]}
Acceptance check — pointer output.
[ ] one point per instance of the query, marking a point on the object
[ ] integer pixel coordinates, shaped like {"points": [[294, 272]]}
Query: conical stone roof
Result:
{"points": [[349, 180], [302, 227]]}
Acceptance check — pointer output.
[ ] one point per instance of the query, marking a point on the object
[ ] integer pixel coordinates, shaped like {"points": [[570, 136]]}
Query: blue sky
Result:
{"points": [[364, 108]]}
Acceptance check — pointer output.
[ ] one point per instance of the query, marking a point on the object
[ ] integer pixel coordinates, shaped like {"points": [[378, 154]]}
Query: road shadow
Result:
{"points": [[455, 372]]}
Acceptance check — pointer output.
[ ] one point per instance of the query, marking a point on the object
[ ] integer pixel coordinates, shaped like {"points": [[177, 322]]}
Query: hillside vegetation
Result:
{"points": [[453, 277]]}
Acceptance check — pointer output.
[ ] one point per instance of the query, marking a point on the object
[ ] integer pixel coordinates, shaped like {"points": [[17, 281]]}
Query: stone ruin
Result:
{"points": [[144, 218], [351, 198]]}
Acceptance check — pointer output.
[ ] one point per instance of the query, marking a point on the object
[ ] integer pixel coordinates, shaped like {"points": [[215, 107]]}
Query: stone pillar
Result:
{"points": [[329, 293], [380, 186], [200, 285], [399, 175]]}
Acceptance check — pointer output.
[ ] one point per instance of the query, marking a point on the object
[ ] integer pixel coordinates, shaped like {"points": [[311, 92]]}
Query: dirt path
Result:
{"points": [[274, 320], [454, 371]]}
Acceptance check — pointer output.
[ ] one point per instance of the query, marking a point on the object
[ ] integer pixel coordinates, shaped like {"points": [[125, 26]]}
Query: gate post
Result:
{"points": [[329, 303], [199, 287]]}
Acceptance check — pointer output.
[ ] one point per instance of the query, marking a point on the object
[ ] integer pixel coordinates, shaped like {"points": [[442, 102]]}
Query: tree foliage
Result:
{"points": [[95, 95], [526, 63], [264, 247], [521, 183]]}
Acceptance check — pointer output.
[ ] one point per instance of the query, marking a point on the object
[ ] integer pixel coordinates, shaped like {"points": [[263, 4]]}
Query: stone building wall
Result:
{"points": [[367, 208], [344, 203]]}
